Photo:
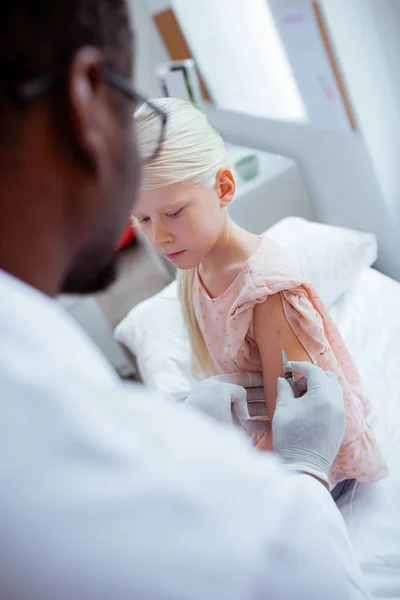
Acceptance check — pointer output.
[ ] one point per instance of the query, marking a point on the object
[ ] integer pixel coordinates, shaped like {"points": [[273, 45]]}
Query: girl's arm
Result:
{"points": [[272, 332]]}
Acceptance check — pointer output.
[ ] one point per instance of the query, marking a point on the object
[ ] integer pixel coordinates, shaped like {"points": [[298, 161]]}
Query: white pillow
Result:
{"points": [[154, 332], [330, 258]]}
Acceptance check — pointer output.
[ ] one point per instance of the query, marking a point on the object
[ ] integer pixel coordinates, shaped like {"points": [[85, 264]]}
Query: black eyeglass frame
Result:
{"points": [[31, 89]]}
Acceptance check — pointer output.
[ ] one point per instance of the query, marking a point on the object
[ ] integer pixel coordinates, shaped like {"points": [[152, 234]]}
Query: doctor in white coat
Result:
{"points": [[106, 492]]}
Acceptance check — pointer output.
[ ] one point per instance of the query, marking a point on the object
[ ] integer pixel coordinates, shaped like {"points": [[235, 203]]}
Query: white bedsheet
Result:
{"points": [[369, 318]]}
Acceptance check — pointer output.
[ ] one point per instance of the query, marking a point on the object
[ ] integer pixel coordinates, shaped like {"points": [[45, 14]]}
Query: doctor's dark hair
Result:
{"points": [[37, 36]]}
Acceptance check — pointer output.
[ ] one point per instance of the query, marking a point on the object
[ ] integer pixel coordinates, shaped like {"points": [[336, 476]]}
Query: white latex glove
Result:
{"points": [[225, 398], [307, 432]]}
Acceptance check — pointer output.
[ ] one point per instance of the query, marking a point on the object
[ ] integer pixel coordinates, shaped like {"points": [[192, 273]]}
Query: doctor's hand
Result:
{"points": [[237, 399], [307, 432]]}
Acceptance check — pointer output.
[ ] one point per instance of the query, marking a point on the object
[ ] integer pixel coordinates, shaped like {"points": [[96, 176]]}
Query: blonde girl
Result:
{"points": [[242, 300]]}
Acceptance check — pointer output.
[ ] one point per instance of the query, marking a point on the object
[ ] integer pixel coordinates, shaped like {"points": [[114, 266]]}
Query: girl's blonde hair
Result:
{"points": [[192, 150]]}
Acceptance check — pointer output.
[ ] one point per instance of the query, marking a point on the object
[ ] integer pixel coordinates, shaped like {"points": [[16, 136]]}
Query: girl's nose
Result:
{"points": [[161, 234]]}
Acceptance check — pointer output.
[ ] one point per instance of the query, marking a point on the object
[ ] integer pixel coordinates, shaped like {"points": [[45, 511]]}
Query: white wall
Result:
{"points": [[157, 6], [241, 56], [366, 36], [150, 49]]}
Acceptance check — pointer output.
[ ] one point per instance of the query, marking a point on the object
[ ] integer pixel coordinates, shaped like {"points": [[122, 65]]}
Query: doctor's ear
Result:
{"points": [[225, 186]]}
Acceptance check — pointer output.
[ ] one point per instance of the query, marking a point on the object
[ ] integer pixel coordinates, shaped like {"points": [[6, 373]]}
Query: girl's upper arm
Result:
{"points": [[272, 332]]}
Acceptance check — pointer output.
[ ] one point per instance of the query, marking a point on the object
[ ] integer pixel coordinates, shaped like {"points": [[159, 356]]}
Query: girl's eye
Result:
{"points": [[144, 220], [175, 214]]}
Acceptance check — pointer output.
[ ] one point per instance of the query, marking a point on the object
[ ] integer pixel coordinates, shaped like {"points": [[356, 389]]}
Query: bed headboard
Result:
{"points": [[337, 170]]}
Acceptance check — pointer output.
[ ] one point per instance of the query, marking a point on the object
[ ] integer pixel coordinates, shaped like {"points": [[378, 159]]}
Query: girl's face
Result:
{"points": [[183, 221]]}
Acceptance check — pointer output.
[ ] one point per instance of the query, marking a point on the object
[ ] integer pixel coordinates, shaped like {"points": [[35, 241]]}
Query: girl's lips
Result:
{"points": [[174, 255]]}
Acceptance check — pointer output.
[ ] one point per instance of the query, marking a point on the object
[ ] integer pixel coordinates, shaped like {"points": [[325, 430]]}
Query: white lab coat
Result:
{"points": [[108, 493]]}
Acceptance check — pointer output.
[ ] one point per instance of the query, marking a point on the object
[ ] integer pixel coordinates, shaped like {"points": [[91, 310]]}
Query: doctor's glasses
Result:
{"points": [[31, 89]]}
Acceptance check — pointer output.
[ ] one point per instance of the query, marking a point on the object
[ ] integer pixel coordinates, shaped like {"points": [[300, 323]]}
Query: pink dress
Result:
{"points": [[226, 323]]}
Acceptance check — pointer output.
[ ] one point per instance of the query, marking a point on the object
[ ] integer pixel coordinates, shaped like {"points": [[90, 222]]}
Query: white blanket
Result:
{"points": [[368, 316]]}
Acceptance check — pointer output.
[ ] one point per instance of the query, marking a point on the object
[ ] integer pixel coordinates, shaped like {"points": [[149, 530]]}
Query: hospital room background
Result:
{"points": [[338, 166], [306, 95]]}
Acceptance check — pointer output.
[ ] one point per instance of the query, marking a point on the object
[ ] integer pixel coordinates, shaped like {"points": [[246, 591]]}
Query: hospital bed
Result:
{"points": [[365, 304]]}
